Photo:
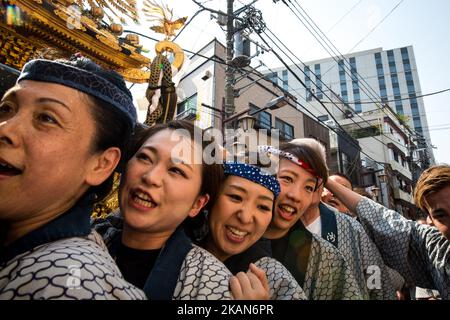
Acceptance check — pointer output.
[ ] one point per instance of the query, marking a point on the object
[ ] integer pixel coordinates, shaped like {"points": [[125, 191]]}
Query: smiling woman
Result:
{"points": [[160, 197], [62, 128], [237, 220]]}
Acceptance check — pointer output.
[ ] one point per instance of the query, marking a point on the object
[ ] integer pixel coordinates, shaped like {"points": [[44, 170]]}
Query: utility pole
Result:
{"points": [[229, 72]]}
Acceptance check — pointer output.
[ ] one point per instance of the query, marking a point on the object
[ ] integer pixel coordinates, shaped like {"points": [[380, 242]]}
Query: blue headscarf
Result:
{"points": [[254, 174], [82, 80]]}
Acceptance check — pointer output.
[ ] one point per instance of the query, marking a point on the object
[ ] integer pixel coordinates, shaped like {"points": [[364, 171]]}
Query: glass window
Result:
{"points": [[406, 66], [396, 90], [345, 96], [391, 57], [394, 79], [395, 156], [414, 107], [404, 52], [188, 104], [341, 65], [317, 69], [417, 122], [399, 109], [273, 77], [263, 119], [408, 76], [286, 130], [308, 94], [392, 69]]}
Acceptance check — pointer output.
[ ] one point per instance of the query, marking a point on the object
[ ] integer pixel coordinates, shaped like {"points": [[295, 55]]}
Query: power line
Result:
{"points": [[340, 127], [339, 133], [342, 18], [401, 99], [187, 23], [345, 15], [218, 60], [310, 104], [353, 73], [303, 84], [378, 24]]}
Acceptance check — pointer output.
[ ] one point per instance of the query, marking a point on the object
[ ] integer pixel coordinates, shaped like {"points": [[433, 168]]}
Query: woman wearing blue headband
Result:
{"points": [[237, 220], [62, 128]]}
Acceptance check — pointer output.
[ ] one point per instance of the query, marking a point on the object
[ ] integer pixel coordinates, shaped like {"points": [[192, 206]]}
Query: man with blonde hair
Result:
{"points": [[432, 195]]}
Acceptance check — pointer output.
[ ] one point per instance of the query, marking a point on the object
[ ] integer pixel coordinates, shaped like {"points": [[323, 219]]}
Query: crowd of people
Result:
{"points": [[184, 229]]}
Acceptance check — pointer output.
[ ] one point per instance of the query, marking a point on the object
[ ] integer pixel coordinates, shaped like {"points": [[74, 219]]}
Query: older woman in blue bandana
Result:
{"points": [[62, 129], [237, 220]]}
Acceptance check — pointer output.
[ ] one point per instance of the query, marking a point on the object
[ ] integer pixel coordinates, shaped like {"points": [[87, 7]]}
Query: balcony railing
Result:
{"points": [[189, 114]]}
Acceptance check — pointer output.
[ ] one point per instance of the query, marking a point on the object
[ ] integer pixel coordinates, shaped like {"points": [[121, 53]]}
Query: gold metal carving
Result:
{"points": [[55, 24], [163, 16]]}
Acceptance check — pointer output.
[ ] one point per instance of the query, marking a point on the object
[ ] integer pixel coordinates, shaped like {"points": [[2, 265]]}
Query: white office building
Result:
{"points": [[361, 82]]}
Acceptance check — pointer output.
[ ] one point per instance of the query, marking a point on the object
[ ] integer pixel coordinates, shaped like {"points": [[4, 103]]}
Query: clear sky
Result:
{"points": [[423, 24]]}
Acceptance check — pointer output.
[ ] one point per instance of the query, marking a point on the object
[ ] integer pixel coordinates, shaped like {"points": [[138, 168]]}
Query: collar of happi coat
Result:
{"points": [[293, 251], [72, 223], [329, 224], [163, 278]]}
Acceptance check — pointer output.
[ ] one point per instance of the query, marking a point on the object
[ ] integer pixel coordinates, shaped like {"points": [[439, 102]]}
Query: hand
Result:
{"points": [[252, 285]]}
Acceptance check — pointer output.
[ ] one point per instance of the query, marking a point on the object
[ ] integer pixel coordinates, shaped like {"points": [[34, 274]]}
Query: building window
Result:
{"points": [[263, 119], [408, 76], [318, 81], [417, 122], [273, 77], [396, 157], [308, 84], [286, 130], [390, 55], [404, 52], [398, 104], [285, 80], [188, 104], [381, 79]]}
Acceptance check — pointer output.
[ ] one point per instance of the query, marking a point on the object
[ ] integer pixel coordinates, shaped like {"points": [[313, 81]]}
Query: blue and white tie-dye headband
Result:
{"points": [[254, 174], [82, 80]]}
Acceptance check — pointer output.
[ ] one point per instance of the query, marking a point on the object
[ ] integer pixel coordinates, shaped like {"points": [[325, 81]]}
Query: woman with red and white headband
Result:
{"points": [[317, 265]]}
